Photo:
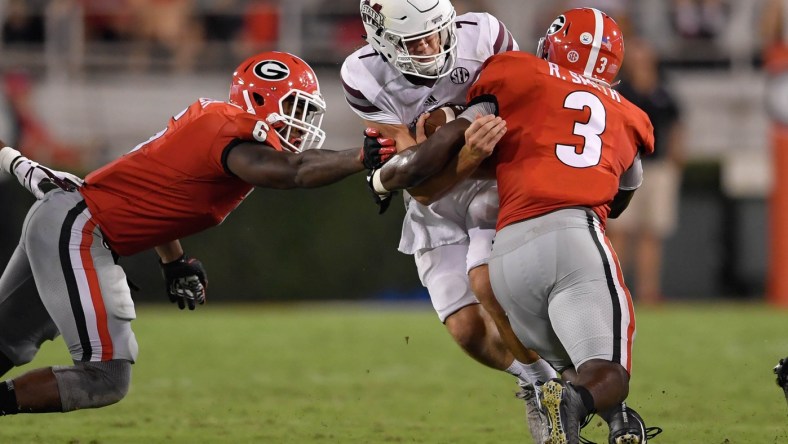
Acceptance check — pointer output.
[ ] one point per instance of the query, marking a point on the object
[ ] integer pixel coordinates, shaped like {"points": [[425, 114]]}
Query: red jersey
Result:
{"points": [[175, 184], [568, 138]]}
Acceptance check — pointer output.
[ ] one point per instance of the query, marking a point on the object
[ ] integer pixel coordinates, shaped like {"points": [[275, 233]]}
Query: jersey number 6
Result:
{"points": [[260, 131], [591, 152]]}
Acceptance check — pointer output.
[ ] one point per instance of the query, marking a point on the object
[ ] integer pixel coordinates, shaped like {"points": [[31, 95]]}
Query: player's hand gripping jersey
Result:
{"points": [[176, 183], [378, 92], [569, 139]]}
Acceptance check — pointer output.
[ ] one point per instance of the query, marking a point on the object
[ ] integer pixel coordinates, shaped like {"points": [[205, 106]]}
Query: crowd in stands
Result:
{"points": [[188, 34]]}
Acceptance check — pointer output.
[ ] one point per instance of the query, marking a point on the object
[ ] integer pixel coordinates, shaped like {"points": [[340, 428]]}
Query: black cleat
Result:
{"points": [[781, 370], [627, 427]]}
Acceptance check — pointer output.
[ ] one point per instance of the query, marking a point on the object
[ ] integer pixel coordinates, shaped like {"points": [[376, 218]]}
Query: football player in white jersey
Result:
{"points": [[420, 56]]}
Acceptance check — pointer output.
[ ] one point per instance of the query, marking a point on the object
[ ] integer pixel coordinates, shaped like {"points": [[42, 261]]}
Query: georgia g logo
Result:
{"points": [[557, 24], [271, 70]]}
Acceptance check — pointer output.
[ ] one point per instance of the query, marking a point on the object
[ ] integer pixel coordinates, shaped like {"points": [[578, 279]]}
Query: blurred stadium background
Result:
{"points": [[86, 80]]}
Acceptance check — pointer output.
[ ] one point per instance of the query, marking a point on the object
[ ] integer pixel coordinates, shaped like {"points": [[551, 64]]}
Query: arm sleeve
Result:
{"points": [[479, 109], [633, 177]]}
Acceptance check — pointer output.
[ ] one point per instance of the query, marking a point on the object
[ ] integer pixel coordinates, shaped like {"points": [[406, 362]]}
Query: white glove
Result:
{"points": [[38, 179]]}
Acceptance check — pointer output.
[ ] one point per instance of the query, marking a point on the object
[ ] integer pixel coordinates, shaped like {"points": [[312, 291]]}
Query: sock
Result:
{"points": [[8, 404], [518, 370], [585, 395], [540, 371]]}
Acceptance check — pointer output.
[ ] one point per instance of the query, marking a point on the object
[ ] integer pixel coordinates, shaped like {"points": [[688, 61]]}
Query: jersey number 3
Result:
{"points": [[591, 152]]}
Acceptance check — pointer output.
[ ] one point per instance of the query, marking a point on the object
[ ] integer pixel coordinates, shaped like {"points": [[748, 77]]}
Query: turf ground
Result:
{"points": [[364, 374]]}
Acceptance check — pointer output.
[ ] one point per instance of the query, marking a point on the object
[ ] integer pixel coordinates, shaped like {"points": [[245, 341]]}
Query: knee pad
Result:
{"points": [[449, 293], [89, 385]]}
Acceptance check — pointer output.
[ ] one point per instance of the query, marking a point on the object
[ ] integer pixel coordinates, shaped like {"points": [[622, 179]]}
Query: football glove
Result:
{"points": [[186, 281], [781, 370], [376, 150], [381, 200], [38, 179]]}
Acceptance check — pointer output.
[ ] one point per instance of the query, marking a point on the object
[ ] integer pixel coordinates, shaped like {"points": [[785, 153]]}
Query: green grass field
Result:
{"points": [[364, 374]]}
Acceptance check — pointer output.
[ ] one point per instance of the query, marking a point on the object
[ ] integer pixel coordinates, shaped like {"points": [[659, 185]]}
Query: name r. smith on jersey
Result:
{"points": [[561, 73]]}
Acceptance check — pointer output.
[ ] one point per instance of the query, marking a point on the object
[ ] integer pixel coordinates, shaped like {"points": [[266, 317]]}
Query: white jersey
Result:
{"points": [[378, 92]]}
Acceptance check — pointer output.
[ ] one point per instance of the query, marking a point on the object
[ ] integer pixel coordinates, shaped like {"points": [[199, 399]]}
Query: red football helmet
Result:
{"points": [[585, 40], [283, 89]]}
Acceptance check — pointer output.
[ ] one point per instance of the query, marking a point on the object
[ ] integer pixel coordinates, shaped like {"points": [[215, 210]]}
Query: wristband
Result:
{"points": [[8, 156], [377, 185]]}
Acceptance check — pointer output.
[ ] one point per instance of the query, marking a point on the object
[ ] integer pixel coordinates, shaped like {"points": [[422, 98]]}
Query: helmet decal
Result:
{"points": [[271, 70], [557, 24], [596, 43], [370, 14], [586, 38], [573, 56]]}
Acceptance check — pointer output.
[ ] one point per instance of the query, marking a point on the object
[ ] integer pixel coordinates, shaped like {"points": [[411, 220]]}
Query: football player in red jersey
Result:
{"points": [[186, 178], [567, 158]]}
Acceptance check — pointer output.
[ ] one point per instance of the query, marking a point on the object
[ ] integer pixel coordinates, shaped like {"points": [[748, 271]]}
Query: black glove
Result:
{"points": [[377, 150], [186, 281], [781, 370], [382, 200]]}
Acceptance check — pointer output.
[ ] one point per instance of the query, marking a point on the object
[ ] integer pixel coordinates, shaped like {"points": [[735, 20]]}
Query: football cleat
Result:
{"points": [[536, 420], [627, 427], [564, 409], [781, 370]]}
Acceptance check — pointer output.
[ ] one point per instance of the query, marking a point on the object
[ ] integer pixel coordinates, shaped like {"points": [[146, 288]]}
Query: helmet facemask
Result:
{"points": [[443, 42], [298, 123]]}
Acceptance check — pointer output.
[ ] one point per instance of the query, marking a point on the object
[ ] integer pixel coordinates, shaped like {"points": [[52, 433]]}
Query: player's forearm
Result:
{"points": [[480, 138], [435, 187], [411, 167], [170, 251], [315, 168]]}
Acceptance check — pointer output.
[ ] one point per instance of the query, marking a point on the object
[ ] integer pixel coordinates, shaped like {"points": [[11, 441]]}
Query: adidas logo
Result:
{"points": [[431, 101]]}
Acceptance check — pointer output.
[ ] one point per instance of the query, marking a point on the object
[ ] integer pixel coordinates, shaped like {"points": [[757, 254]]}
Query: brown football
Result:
{"points": [[440, 116]]}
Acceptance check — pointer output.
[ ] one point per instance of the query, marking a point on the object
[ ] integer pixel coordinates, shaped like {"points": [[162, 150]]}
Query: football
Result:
{"points": [[440, 116]]}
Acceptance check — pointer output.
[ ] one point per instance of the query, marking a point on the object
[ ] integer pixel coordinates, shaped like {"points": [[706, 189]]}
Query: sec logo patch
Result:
{"points": [[459, 76]]}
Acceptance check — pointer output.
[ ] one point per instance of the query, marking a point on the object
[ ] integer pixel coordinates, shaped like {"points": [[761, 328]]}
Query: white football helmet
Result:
{"points": [[401, 30]]}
